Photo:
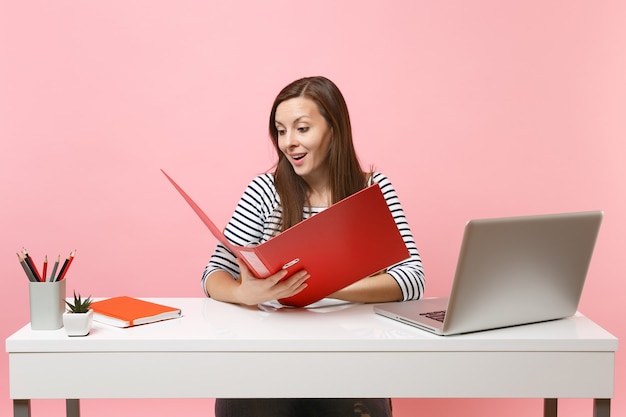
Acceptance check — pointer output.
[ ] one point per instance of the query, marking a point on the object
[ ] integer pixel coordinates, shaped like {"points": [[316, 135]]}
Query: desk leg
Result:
{"points": [[21, 408], [550, 407], [602, 407], [72, 408]]}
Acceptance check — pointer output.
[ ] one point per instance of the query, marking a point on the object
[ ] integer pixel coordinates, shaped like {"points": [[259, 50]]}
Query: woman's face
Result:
{"points": [[304, 137]]}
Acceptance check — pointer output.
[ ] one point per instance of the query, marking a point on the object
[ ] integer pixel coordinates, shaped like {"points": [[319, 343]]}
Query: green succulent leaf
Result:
{"points": [[80, 305]]}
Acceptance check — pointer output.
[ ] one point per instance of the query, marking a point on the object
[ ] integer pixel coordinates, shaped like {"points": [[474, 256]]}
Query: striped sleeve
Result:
{"points": [[246, 226], [409, 274]]}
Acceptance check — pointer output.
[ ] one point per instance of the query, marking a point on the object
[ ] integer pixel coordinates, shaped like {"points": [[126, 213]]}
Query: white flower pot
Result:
{"points": [[77, 324]]}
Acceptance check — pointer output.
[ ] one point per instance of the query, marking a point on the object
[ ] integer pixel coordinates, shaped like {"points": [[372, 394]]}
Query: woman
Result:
{"points": [[317, 166]]}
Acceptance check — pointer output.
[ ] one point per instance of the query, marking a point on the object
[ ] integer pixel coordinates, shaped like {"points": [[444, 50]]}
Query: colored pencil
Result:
{"points": [[27, 270], [54, 268], [31, 265], [66, 265], [62, 270], [45, 269]]}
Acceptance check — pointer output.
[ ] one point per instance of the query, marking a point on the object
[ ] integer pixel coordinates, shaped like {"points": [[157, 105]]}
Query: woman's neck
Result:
{"points": [[319, 192], [319, 195], [319, 199]]}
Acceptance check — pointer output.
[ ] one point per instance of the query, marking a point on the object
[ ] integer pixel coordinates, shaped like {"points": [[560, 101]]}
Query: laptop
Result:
{"points": [[510, 271]]}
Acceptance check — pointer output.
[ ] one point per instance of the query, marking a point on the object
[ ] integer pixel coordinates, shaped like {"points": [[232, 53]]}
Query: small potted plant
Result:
{"points": [[78, 316]]}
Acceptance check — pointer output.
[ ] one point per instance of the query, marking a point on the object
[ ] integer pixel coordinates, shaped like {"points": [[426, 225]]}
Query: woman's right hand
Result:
{"points": [[252, 290]]}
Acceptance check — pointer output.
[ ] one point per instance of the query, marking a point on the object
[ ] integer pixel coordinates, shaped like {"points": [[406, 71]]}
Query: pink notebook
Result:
{"points": [[348, 241]]}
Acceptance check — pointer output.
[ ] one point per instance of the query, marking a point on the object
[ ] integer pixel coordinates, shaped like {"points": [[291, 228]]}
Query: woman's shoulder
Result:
{"points": [[385, 184], [265, 181], [262, 189], [379, 178]]}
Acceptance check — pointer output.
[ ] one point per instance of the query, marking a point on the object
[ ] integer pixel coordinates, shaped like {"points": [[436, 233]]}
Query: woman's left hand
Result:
{"points": [[253, 290]]}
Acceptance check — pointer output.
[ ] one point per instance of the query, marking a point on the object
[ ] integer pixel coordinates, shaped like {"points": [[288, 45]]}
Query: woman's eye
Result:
{"points": [[280, 132], [303, 129]]}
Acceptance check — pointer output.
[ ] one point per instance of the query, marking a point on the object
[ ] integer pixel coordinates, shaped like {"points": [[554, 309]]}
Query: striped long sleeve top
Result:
{"points": [[257, 217]]}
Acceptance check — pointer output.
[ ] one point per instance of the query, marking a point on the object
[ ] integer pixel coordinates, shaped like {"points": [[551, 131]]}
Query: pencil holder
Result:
{"points": [[47, 304]]}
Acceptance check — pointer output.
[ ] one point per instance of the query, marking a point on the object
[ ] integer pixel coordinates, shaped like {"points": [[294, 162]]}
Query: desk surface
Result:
{"points": [[208, 325], [343, 350]]}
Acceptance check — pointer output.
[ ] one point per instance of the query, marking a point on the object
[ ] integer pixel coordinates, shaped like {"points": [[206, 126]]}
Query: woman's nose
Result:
{"points": [[290, 138]]}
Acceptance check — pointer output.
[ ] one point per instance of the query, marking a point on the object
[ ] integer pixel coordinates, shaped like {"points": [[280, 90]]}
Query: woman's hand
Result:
{"points": [[252, 290]]}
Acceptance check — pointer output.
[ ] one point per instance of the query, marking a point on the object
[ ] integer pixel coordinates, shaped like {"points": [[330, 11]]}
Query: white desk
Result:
{"points": [[346, 351]]}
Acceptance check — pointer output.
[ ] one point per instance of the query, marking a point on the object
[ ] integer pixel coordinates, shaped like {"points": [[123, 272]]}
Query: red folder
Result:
{"points": [[350, 240]]}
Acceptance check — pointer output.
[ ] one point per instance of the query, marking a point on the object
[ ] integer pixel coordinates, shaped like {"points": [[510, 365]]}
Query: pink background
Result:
{"points": [[472, 108]]}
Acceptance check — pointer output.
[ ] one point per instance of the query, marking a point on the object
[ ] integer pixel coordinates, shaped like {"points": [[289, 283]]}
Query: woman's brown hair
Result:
{"points": [[345, 174]]}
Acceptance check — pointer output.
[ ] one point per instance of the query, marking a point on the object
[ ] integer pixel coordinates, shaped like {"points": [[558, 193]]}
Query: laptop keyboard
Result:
{"points": [[435, 315]]}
